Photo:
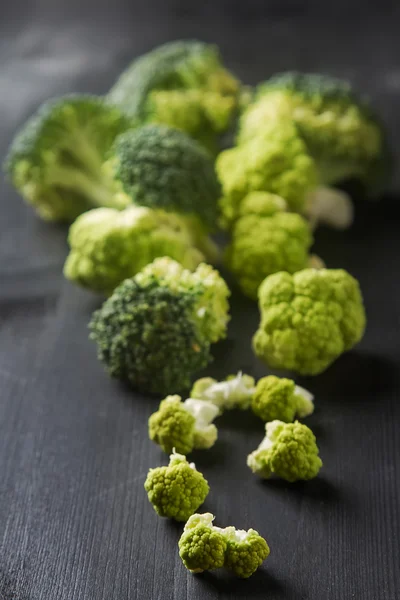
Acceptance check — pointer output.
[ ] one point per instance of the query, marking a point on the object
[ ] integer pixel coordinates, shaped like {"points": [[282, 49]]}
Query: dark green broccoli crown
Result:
{"points": [[161, 167], [146, 336], [166, 67], [56, 122]]}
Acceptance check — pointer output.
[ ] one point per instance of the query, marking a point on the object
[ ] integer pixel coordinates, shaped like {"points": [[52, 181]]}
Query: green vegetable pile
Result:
{"points": [[141, 177]]}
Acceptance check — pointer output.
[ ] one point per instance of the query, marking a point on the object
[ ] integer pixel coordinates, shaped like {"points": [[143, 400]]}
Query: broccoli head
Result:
{"points": [[234, 392], [204, 547], [156, 329], [265, 240], [161, 167], [183, 426], [56, 160], [278, 398], [108, 246], [340, 129], [308, 319], [176, 491], [288, 450], [274, 161], [182, 84]]}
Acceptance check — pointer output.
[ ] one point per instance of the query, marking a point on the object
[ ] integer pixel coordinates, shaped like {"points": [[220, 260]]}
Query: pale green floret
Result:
{"points": [[234, 392], [108, 246], [308, 319], [176, 491], [55, 160], [183, 426], [278, 398], [205, 547], [275, 161], [265, 240], [288, 450]]}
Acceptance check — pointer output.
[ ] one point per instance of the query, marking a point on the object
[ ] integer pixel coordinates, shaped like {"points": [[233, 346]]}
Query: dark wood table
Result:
{"points": [[75, 523]]}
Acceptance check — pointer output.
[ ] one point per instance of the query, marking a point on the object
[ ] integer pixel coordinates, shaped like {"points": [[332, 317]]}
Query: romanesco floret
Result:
{"points": [[108, 246], [279, 398], [183, 426], [234, 392], [289, 450], [340, 129], [176, 491], [56, 159], [161, 167], [156, 329], [205, 547], [182, 84], [308, 319], [265, 240]]}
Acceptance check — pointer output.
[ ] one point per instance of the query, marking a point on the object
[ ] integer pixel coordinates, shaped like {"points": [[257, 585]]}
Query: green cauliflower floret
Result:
{"points": [[108, 246], [156, 329], [205, 547], [163, 168], [308, 319], [183, 426], [265, 240], [278, 398], [56, 159], [182, 84], [288, 450], [340, 129], [234, 392], [176, 491]]}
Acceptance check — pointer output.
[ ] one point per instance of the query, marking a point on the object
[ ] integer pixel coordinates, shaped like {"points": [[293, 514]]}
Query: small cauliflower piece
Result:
{"points": [[278, 398], [108, 246], [308, 319], [265, 240], [234, 392], [204, 547], [288, 450], [176, 491], [183, 426]]}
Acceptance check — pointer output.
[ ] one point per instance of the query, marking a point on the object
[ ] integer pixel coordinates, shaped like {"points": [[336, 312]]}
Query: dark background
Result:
{"points": [[75, 523]]}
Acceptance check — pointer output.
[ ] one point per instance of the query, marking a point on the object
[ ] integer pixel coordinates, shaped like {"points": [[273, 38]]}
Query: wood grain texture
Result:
{"points": [[75, 523]]}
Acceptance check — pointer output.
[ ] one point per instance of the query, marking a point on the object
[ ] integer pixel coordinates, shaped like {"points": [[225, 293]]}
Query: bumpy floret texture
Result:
{"points": [[183, 426], [275, 161], [289, 450], [155, 330], [163, 168], [341, 130], [234, 392], [263, 244], [108, 246], [205, 547], [176, 491], [308, 319], [278, 398], [182, 84], [55, 161]]}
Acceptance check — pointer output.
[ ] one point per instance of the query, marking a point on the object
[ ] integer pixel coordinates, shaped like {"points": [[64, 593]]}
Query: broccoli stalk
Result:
{"points": [[234, 392]]}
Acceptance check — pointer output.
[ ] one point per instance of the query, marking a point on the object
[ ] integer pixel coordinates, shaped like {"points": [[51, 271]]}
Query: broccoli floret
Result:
{"points": [[278, 398], [156, 329], [182, 84], [163, 168], [108, 246], [289, 450], [308, 319], [266, 240], [234, 392], [55, 161], [183, 426], [205, 547], [340, 129], [176, 491]]}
